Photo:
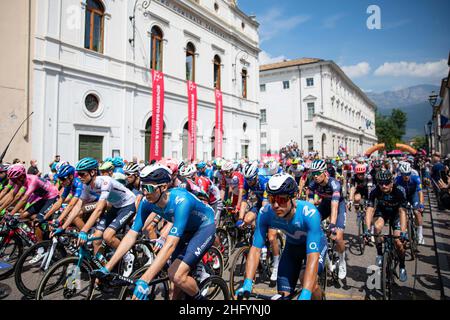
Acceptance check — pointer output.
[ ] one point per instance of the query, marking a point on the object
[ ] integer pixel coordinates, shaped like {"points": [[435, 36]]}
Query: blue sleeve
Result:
{"points": [[181, 216], [144, 210], [336, 187], [312, 222], [78, 189], [418, 183], [262, 226], [66, 192], [245, 193]]}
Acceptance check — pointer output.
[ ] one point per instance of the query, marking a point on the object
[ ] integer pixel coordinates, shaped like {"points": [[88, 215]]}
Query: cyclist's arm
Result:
{"points": [[403, 219], [22, 202], [73, 214], [313, 240], [56, 206], [369, 215], [243, 209], [101, 205], [166, 230], [68, 209]]}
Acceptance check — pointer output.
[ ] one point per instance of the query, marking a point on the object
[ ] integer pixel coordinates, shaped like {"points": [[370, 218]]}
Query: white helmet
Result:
{"points": [[228, 166], [273, 168], [188, 170], [156, 173], [405, 168], [251, 170]]}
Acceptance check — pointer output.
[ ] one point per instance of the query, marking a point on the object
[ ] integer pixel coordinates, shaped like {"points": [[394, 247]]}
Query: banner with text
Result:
{"points": [[219, 124], [156, 142], [192, 120]]}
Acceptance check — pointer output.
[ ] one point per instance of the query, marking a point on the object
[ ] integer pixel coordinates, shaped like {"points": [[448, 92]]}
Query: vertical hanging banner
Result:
{"points": [[156, 142], [219, 124], [192, 119]]}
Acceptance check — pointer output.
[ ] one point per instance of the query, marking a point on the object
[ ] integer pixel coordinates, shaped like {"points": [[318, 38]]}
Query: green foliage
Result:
{"points": [[420, 142], [391, 129]]}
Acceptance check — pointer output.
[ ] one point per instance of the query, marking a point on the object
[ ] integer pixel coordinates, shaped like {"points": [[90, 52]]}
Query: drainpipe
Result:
{"points": [[301, 109], [27, 127]]}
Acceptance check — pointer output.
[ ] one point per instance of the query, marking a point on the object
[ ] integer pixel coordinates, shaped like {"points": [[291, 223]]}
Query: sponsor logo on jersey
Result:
{"points": [[178, 200], [309, 212], [313, 246], [174, 230]]}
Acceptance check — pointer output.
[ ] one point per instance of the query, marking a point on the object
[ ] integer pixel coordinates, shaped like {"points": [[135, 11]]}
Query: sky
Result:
{"points": [[410, 47]]}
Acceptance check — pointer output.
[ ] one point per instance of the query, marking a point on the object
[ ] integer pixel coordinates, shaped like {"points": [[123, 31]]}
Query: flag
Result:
{"points": [[444, 122]]}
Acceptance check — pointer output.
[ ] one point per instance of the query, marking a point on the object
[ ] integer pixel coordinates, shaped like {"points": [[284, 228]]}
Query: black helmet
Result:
{"points": [[384, 176]]}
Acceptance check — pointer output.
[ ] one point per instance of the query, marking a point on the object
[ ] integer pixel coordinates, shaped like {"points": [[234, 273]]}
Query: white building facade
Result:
{"points": [[92, 77], [313, 102]]}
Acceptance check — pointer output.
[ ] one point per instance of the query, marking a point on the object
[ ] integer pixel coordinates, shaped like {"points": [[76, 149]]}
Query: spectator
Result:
{"points": [[56, 160], [16, 160], [437, 171], [33, 169]]}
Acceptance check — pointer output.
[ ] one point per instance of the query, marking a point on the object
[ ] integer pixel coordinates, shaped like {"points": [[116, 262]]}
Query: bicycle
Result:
{"points": [[360, 222], [412, 231]]}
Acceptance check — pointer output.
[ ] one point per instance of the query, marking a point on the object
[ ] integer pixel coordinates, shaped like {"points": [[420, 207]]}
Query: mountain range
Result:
{"points": [[413, 101]]}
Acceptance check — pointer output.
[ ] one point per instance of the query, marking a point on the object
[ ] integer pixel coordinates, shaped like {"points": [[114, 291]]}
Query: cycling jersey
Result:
{"points": [[193, 188], [76, 189], [411, 187], [110, 190], [361, 185], [184, 210], [387, 202], [258, 191], [38, 187], [236, 182], [329, 192], [303, 228], [4, 183], [209, 188]]}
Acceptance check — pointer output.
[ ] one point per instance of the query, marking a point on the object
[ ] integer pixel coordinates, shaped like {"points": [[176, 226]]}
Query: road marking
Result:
{"points": [[344, 296]]}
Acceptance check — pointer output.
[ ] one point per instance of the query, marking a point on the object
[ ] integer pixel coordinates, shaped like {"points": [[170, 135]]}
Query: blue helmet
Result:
{"points": [[201, 165], [65, 170], [109, 159], [118, 162], [87, 164]]}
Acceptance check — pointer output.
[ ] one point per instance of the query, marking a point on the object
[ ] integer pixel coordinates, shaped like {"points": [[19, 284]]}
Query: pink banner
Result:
{"points": [[219, 124], [192, 120], [156, 142]]}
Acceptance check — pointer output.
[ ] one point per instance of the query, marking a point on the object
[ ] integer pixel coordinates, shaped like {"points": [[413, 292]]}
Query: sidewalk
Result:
{"points": [[441, 223]]}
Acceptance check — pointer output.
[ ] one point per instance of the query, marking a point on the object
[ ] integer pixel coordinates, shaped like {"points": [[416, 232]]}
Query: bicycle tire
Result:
{"points": [[140, 256], [225, 243], [127, 292], [221, 287], [23, 284], [412, 239], [17, 248], [214, 254], [386, 276], [361, 240], [241, 257], [65, 263]]}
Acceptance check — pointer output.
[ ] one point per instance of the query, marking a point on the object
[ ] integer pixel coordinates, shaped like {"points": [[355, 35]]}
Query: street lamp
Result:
{"points": [[430, 125], [145, 5], [433, 98]]}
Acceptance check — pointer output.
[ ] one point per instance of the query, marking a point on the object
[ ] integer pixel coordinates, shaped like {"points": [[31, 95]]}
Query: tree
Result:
{"points": [[390, 129], [420, 142]]}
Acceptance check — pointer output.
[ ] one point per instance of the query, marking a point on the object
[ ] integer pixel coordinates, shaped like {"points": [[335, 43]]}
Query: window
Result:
{"points": [[263, 149], [263, 134], [216, 7], [217, 67], [262, 87], [91, 102], [263, 116], [310, 82], [285, 84], [310, 145], [190, 62], [244, 83], [310, 110], [93, 36], [156, 49]]}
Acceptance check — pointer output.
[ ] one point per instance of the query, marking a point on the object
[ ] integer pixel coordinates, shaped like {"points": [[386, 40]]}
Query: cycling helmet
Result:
{"points": [[282, 184], [228, 166], [360, 168], [118, 162], [395, 161], [4, 167], [273, 168], [384, 176], [295, 161], [16, 171], [405, 168], [172, 164], [347, 162], [188, 170], [109, 159], [318, 165], [181, 164], [201, 165], [377, 163], [60, 164], [120, 177], [156, 173], [131, 168], [65, 170], [251, 171], [106, 166], [86, 164]]}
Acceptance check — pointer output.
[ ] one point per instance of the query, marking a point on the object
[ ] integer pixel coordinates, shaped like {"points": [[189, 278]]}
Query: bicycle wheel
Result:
{"points": [[67, 280], [225, 245], [237, 270], [214, 288], [213, 261], [386, 276], [143, 255], [10, 252], [412, 238], [159, 287], [30, 268], [361, 240]]}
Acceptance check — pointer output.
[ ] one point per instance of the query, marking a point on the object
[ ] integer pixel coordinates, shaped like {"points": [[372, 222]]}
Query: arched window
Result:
{"points": [[93, 36], [190, 62], [156, 49], [217, 65], [244, 83]]}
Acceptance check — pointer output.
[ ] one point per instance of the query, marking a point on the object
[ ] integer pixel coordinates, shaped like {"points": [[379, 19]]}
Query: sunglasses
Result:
{"points": [[150, 188], [316, 173], [281, 200], [63, 179], [406, 174], [385, 183], [83, 174]]}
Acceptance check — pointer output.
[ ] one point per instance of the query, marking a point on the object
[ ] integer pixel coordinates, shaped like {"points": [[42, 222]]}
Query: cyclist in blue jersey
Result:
{"points": [[253, 199], [305, 241], [331, 204], [118, 165], [413, 188], [190, 237]]}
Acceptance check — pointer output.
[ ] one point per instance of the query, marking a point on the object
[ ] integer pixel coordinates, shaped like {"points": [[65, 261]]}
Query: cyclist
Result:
{"points": [[213, 192], [118, 164], [232, 185], [359, 186], [122, 202], [5, 184], [305, 241], [296, 170], [331, 204], [133, 183], [189, 239], [375, 169], [107, 169], [413, 188], [387, 203]]}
